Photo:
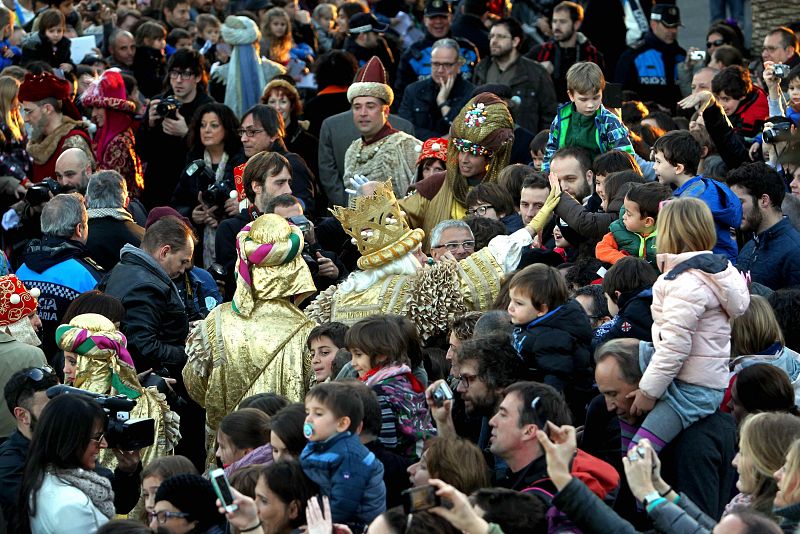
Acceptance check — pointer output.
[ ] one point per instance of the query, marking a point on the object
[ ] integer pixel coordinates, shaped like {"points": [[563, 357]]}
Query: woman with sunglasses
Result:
{"points": [[61, 492]]}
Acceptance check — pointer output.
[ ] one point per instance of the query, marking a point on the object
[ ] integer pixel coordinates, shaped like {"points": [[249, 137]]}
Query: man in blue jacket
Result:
{"points": [[771, 255]]}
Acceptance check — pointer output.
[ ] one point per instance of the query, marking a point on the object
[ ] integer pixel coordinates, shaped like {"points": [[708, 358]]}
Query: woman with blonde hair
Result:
{"points": [[787, 498], [685, 372], [756, 338], [15, 162]]}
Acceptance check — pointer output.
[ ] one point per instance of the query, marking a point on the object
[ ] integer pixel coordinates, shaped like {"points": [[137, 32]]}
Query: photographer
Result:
{"points": [[326, 267], [161, 141]]}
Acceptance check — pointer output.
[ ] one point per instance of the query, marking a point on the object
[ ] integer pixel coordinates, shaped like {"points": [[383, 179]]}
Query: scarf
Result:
{"points": [[120, 214], [245, 79], [94, 486], [115, 123], [42, 150], [259, 456], [377, 375]]}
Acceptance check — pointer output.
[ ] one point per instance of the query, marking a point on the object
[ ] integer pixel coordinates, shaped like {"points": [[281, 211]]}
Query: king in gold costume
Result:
{"points": [[393, 280], [257, 343], [105, 366]]}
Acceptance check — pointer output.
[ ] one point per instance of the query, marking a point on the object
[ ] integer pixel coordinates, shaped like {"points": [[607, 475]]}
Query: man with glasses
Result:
{"points": [[780, 46], [161, 140], [651, 67], [529, 82], [452, 239], [55, 122], [432, 103], [25, 395]]}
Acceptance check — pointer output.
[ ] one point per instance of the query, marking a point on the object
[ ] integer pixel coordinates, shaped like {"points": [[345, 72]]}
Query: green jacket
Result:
{"points": [[634, 244]]}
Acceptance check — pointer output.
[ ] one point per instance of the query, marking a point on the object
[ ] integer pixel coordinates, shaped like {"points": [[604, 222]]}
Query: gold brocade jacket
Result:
{"points": [[232, 357]]}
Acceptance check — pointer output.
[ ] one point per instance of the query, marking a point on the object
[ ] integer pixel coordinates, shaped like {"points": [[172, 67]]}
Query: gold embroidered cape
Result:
{"points": [[394, 156]]}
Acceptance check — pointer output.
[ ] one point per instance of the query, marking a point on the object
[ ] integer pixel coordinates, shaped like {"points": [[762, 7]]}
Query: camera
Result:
{"points": [[698, 55], [779, 132], [302, 222], [442, 393], [420, 499], [781, 70], [121, 432], [167, 107], [216, 193], [40, 193]]}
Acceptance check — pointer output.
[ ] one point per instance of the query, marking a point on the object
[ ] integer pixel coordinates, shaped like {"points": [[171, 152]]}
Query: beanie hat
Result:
{"points": [[371, 81], [36, 87], [156, 214], [193, 495], [108, 91], [16, 302]]}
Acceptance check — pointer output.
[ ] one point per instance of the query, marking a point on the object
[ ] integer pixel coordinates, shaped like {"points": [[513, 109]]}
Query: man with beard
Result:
{"points": [[771, 255], [567, 47], [122, 47], [56, 122], [529, 81], [73, 168], [25, 394], [416, 63], [573, 168], [486, 366]]}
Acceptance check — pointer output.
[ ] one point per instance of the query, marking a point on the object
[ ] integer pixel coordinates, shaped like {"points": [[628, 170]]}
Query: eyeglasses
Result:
{"points": [[466, 379], [716, 42], [183, 74], [772, 48], [163, 516], [249, 133], [454, 245], [480, 210], [38, 373], [436, 65], [98, 438]]}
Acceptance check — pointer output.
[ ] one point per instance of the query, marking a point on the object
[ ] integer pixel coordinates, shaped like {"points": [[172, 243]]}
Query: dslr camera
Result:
{"points": [[38, 194], [213, 194], [781, 70], [167, 107], [302, 222], [121, 432], [779, 132]]}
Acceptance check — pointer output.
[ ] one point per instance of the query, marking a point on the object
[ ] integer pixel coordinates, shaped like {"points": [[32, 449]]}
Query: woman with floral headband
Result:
{"points": [[105, 366]]}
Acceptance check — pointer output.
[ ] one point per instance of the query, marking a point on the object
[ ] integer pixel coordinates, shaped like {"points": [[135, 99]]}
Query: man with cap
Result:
{"points": [[365, 40], [382, 152], [650, 68], [56, 123], [433, 102], [257, 342], [416, 62]]}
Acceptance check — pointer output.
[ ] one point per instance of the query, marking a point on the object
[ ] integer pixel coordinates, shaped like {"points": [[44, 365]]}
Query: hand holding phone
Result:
{"points": [[223, 490]]}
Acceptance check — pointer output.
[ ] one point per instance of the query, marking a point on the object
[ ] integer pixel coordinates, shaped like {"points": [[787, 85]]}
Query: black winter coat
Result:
{"points": [[107, 236], [555, 349], [419, 106], [156, 323], [38, 48], [149, 69], [634, 320]]}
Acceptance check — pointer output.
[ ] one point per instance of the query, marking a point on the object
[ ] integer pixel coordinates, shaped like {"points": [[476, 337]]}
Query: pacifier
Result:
{"points": [[308, 430]]}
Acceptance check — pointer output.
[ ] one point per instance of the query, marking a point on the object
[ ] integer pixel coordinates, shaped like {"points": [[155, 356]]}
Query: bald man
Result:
{"points": [[73, 168], [122, 47], [701, 81]]}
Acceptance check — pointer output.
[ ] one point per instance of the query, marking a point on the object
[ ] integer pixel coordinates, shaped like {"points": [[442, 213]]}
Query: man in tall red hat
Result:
{"points": [[47, 105], [381, 152]]}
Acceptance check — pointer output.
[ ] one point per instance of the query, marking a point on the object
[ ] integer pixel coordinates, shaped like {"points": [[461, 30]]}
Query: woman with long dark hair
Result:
{"points": [[60, 492], [212, 139]]}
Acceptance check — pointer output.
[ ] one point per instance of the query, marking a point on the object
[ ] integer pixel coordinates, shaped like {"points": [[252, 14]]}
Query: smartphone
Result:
{"points": [[612, 95], [698, 55], [223, 489], [442, 393], [420, 499]]}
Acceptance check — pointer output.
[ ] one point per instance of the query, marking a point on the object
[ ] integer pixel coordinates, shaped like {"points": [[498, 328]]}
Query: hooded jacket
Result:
{"points": [[633, 320], [156, 323], [555, 350], [771, 256], [693, 303], [726, 208], [62, 269], [651, 69]]}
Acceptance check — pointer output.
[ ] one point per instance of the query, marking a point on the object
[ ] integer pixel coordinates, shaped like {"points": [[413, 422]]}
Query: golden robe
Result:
{"points": [[431, 297], [432, 203], [394, 156]]}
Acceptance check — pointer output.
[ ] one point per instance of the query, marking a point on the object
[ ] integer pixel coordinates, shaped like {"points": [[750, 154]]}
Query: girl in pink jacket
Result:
{"points": [[693, 302]]}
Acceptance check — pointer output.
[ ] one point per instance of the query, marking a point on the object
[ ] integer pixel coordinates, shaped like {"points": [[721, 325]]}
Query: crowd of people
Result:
{"points": [[397, 267]]}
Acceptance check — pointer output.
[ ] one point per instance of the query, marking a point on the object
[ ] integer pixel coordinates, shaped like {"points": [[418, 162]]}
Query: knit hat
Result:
{"points": [[270, 264], [108, 91], [36, 87], [239, 30], [483, 127], [193, 495], [371, 81], [160, 212], [279, 83], [435, 147], [16, 302]]}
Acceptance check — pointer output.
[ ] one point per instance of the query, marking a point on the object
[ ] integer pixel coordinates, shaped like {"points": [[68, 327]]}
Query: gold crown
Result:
{"points": [[378, 227]]}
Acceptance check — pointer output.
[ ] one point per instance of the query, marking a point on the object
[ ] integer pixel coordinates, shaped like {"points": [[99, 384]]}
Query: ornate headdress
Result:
{"points": [[16, 305], [435, 147], [270, 264], [371, 81], [108, 91], [483, 127], [378, 228]]}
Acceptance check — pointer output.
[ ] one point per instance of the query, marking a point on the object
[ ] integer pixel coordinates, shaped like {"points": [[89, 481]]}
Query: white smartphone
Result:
{"points": [[223, 489]]}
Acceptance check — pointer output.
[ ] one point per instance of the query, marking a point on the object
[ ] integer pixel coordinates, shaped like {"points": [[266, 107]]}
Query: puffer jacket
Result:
{"points": [[349, 474], [693, 302]]}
